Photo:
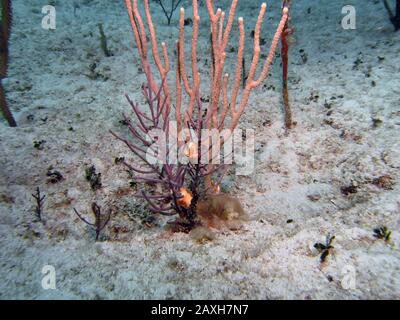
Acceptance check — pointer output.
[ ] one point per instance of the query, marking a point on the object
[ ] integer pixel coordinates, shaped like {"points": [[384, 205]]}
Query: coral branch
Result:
{"points": [[394, 18], [251, 83], [39, 203], [5, 30], [168, 14], [100, 222], [285, 65]]}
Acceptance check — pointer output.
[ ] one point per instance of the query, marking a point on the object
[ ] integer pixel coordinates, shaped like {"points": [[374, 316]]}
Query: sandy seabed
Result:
{"points": [[344, 88]]}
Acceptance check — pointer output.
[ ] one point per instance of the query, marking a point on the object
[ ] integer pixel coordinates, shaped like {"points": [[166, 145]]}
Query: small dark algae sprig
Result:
{"points": [[93, 178], [325, 249], [39, 203], [54, 176], [103, 41], [119, 160], [100, 221], [382, 233], [39, 144]]}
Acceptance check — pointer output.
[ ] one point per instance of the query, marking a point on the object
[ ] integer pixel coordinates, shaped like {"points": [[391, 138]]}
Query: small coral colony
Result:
{"points": [[189, 188]]}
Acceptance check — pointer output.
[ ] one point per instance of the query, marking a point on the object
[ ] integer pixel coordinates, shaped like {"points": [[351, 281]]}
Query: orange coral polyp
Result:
{"points": [[186, 199]]}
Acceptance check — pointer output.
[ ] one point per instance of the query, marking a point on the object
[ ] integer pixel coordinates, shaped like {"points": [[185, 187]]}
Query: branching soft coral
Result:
{"points": [[179, 186]]}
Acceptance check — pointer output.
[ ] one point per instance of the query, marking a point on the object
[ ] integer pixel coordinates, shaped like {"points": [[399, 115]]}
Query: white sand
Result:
{"points": [[268, 258]]}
